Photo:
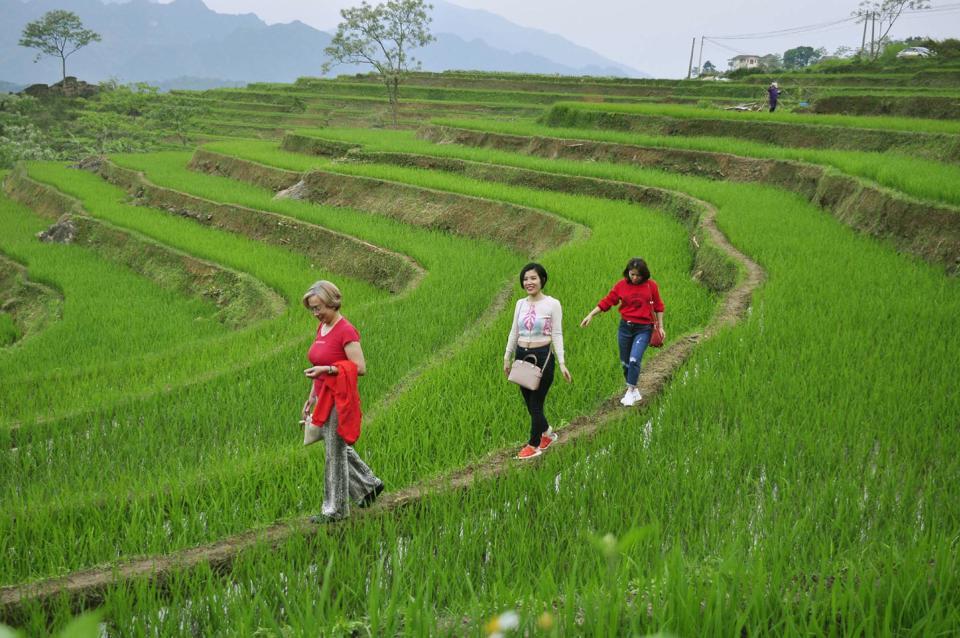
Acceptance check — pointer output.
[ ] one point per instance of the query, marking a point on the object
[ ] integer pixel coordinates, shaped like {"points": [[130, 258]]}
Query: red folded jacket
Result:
{"points": [[341, 390]]}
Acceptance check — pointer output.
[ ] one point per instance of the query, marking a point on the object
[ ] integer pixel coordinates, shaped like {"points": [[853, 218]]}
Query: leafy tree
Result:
{"points": [[177, 115], [56, 32], [709, 68], [382, 37], [105, 132], [771, 62], [886, 13], [890, 51], [948, 48], [133, 100], [800, 57]]}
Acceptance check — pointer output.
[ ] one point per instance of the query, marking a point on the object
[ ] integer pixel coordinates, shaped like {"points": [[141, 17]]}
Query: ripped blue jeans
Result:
{"points": [[633, 339]]}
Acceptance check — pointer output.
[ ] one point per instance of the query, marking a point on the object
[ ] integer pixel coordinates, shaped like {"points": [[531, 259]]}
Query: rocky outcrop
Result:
{"points": [[67, 87]]}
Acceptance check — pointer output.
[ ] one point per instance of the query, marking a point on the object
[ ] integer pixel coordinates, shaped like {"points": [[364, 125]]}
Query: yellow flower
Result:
{"points": [[545, 621]]}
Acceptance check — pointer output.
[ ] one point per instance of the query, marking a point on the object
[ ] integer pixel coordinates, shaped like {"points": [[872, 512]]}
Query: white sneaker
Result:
{"points": [[631, 397]]}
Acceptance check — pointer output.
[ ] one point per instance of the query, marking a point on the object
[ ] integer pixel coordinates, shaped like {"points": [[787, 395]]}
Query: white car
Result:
{"points": [[915, 52]]}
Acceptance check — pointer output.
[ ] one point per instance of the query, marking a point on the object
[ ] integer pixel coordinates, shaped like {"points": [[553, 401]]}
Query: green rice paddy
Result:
{"points": [[796, 476]]}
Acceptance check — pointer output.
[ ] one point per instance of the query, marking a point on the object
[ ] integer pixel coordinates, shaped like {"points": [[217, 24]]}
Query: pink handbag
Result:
{"points": [[525, 374]]}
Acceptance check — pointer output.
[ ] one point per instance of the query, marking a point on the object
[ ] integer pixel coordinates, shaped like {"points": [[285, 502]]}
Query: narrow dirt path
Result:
{"points": [[88, 587]]}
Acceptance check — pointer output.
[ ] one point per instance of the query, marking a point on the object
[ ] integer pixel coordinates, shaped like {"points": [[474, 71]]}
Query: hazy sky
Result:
{"points": [[653, 36]]}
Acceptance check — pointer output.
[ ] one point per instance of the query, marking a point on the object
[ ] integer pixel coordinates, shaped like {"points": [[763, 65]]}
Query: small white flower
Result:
{"points": [[509, 620]]}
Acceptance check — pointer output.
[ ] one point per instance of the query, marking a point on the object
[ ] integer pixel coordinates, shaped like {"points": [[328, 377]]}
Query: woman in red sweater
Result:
{"points": [[640, 308], [332, 410]]}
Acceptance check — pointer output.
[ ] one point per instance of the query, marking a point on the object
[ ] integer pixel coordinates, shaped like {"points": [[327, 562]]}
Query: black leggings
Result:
{"points": [[536, 398]]}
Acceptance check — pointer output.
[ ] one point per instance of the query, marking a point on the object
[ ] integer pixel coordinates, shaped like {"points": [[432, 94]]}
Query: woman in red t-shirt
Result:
{"points": [[337, 345], [641, 312]]}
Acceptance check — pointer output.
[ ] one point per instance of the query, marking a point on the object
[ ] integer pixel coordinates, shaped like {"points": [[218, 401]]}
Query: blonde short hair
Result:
{"points": [[327, 292]]}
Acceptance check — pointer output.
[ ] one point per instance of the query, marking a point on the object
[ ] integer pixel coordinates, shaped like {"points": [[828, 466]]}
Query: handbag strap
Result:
{"points": [[545, 361], [653, 313]]}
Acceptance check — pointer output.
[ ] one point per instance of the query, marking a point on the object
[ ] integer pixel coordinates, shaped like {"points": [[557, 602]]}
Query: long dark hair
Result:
{"points": [[640, 266]]}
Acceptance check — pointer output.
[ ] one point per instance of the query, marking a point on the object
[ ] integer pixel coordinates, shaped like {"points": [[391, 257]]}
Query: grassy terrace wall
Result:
{"points": [[240, 299], [523, 229], [870, 122], [748, 89], [575, 87], [413, 92], [942, 147], [715, 270], [930, 77], [711, 266], [29, 305], [945, 108], [927, 230], [338, 252]]}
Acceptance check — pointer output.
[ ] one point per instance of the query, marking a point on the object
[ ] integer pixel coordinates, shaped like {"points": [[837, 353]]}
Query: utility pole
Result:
{"points": [[700, 62], [873, 35], [863, 43], [693, 47]]}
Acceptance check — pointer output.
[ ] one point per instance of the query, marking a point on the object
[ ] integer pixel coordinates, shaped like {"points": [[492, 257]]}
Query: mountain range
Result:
{"points": [[185, 44]]}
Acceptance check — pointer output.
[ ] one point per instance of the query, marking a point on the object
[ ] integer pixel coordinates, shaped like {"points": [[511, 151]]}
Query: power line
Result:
{"points": [[729, 48], [823, 26], [781, 32], [717, 42]]}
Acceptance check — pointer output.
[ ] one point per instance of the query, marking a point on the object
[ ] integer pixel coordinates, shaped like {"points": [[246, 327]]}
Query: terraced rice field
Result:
{"points": [[791, 470]]}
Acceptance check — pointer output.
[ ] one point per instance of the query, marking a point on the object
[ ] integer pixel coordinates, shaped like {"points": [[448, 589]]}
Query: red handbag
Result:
{"points": [[656, 340]]}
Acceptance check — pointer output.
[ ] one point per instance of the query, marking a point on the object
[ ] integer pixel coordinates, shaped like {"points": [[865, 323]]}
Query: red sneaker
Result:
{"points": [[547, 439], [528, 452]]}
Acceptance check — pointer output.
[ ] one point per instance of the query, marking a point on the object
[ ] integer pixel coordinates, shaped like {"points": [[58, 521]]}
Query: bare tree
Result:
{"points": [[56, 32], [886, 13], [382, 36]]}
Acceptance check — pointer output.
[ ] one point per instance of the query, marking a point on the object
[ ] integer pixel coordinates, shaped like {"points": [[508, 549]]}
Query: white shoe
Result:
{"points": [[631, 397]]}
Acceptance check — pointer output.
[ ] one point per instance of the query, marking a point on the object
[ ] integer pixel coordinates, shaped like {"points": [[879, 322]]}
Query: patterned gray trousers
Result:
{"points": [[346, 477]]}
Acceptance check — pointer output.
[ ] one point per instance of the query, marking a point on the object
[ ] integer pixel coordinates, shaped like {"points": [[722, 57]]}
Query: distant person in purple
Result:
{"points": [[774, 92]]}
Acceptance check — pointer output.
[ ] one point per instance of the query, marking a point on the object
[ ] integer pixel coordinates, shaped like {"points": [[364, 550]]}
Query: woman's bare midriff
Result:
{"points": [[533, 343]]}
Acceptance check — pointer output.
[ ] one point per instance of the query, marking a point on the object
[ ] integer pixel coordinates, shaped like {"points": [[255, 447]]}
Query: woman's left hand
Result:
{"points": [[566, 373], [663, 333], [308, 407], [316, 371]]}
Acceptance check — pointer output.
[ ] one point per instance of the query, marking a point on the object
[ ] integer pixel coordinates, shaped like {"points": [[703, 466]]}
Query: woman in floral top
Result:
{"points": [[536, 335]]}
